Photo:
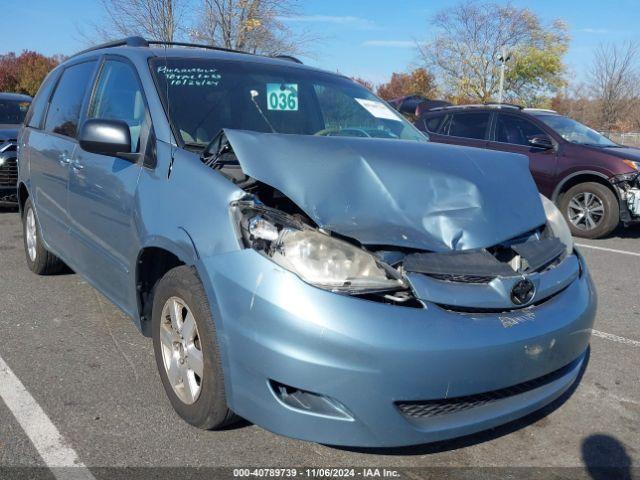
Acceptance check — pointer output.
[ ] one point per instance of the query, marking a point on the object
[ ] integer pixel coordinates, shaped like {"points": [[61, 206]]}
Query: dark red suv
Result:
{"points": [[594, 181]]}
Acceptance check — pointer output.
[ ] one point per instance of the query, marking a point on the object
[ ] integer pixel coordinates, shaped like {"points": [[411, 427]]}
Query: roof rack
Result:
{"points": [[480, 105], [141, 42], [288, 57], [124, 42], [541, 110], [499, 105]]}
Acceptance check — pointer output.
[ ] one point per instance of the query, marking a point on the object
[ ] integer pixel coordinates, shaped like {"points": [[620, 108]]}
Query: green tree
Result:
{"points": [[470, 37]]}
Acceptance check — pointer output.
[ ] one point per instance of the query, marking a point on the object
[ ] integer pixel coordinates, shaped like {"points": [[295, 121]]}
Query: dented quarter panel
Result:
{"points": [[393, 192]]}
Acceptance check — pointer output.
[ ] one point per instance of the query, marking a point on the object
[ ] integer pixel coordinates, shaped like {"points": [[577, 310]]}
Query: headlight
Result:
{"points": [[632, 163], [557, 223], [317, 258]]}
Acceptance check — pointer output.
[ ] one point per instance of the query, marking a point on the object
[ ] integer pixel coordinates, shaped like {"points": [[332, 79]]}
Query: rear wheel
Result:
{"points": [[39, 259], [591, 210], [186, 350]]}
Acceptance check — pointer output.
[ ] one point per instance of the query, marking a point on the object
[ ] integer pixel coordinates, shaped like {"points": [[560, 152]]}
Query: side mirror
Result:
{"points": [[106, 137], [541, 141]]}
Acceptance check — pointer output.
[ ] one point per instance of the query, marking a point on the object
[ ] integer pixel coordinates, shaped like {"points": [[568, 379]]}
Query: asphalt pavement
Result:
{"points": [[94, 378]]}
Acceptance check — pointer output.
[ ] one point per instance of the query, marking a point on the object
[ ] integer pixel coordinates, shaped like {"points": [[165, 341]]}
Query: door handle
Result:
{"points": [[77, 165], [63, 159]]}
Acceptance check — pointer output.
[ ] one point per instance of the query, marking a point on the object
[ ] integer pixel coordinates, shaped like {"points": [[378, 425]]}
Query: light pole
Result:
{"points": [[503, 58]]}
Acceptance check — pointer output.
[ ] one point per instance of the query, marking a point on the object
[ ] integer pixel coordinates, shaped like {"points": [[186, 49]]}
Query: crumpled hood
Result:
{"points": [[391, 192]]}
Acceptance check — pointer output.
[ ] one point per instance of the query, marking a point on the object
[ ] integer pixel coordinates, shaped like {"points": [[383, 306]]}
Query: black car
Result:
{"points": [[13, 108]]}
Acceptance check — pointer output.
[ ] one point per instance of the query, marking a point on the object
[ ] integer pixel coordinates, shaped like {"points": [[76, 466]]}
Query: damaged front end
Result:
{"points": [[627, 186], [397, 270], [315, 256], [324, 250]]}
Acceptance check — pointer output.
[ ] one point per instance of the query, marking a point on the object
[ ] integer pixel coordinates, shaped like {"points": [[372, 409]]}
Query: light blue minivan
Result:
{"points": [[301, 255]]}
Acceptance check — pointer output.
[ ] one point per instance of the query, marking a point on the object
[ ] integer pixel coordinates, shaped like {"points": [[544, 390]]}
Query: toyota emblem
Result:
{"points": [[522, 292]]}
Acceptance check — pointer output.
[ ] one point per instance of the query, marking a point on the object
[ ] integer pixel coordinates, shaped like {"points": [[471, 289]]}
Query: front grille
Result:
{"points": [[9, 173], [435, 408], [450, 277]]}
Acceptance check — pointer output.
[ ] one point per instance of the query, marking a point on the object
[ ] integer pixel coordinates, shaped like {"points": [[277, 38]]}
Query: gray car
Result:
{"points": [[301, 255]]}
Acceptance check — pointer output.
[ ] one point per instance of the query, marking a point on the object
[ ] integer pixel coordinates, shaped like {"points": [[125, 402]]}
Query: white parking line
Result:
{"points": [[615, 338], [41, 431], [612, 250]]}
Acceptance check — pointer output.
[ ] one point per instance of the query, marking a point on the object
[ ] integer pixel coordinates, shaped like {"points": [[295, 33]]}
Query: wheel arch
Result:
{"points": [[23, 194], [155, 258], [582, 176]]}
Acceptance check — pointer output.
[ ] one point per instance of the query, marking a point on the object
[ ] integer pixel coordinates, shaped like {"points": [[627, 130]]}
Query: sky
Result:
{"points": [[366, 38]]}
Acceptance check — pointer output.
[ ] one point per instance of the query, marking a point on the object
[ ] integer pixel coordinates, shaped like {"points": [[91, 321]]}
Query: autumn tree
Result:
{"points": [[416, 82], [25, 72], [470, 37], [254, 26]]}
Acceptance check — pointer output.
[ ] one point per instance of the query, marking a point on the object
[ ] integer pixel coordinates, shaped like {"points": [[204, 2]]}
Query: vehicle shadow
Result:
{"points": [[8, 209], [605, 457], [480, 437], [632, 231]]}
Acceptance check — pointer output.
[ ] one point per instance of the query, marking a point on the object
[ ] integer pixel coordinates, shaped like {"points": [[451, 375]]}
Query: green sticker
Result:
{"points": [[282, 96]]}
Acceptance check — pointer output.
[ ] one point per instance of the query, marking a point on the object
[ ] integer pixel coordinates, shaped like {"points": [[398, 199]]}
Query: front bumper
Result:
{"points": [[368, 356]]}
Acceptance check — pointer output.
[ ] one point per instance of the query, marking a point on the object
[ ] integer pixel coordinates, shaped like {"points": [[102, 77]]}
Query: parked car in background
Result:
{"points": [[291, 267], [594, 181], [412, 106], [13, 109]]}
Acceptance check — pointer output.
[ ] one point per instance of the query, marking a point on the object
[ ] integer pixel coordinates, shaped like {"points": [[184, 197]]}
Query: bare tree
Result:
{"points": [[152, 19], [253, 26], [470, 36], [614, 82]]}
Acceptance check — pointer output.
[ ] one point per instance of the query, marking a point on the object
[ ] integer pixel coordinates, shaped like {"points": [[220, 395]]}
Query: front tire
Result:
{"points": [[591, 210], [186, 350], [39, 259]]}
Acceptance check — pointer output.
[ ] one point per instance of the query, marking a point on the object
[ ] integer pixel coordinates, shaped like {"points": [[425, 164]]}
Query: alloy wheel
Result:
{"points": [[31, 235], [585, 211], [181, 350]]}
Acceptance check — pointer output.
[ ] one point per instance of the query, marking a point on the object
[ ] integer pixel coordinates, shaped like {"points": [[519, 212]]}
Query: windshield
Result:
{"points": [[12, 112], [575, 132], [207, 95]]}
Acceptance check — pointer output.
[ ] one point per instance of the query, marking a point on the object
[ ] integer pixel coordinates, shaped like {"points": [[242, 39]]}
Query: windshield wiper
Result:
{"points": [[195, 145]]}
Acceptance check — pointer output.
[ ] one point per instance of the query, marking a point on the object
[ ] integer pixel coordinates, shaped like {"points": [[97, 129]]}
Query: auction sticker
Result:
{"points": [[282, 96], [377, 109]]}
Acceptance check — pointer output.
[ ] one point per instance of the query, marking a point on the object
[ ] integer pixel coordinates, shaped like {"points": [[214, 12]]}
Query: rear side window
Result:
{"points": [[118, 96], [433, 124], [516, 130], [469, 125], [38, 107], [64, 110]]}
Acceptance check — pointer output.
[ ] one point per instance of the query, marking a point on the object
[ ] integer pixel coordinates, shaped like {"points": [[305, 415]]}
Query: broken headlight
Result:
{"points": [[557, 224], [317, 258]]}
